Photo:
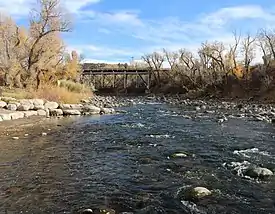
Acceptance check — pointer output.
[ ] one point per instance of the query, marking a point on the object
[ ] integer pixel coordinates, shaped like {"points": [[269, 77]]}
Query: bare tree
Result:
{"points": [[248, 50], [46, 21], [212, 57], [155, 62]]}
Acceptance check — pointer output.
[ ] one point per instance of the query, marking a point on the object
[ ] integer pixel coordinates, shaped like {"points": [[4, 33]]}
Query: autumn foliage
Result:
{"points": [[34, 57]]}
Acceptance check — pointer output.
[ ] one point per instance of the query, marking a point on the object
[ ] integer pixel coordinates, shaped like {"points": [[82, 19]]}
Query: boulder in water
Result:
{"points": [[194, 194], [179, 155], [259, 172], [87, 211]]}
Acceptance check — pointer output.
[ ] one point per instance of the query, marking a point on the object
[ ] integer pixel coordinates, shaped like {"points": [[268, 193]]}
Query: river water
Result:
{"points": [[124, 162]]}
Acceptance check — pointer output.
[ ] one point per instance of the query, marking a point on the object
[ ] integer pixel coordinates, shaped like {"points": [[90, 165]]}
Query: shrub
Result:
{"points": [[73, 87]]}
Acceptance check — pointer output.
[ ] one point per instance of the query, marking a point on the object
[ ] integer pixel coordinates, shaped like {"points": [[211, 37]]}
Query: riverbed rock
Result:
{"points": [[259, 172], [41, 112], [91, 109], [71, 112], [3, 104], [12, 107], [17, 115], [51, 105], [71, 106], [194, 194], [56, 112], [1, 119], [30, 113]]}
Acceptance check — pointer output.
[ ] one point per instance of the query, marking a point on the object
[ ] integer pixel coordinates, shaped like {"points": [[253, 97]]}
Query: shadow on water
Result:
{"points": [[122, 162]]}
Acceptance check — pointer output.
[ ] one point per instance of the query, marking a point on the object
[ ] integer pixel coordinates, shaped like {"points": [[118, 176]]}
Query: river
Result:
{"points": [[124, 162]]}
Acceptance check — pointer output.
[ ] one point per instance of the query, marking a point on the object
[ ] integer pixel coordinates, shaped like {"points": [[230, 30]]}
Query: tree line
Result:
{"points": [[218, 66], [33, 56]]}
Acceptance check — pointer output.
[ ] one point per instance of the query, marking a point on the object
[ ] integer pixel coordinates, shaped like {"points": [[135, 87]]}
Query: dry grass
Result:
{"points": [[60, 94], [51, 93], [17, 93]]}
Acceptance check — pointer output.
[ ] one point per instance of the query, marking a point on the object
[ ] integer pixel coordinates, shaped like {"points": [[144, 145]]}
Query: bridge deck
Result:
{"points": [[118, 71]]}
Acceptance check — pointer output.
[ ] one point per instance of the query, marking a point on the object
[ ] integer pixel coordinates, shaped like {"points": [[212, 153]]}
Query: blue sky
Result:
{"points": [[116, 30]]}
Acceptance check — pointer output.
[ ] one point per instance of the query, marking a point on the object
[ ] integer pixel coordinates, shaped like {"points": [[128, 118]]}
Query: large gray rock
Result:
{"points": [[3, 104], [107, 110], [71, 112], [25, 107], [56, 112], [5, 116], [30, 113], [12, 107], [41, 112], [76, 106], [51, 105], [91, 109], [65, 106], [17, 115], [71, 106], [259, 172], [38, 102], [38, 107]]}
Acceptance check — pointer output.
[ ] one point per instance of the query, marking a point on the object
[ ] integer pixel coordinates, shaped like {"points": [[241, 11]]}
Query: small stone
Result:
{"points": [[15, 138], [198, 108], [26, 135], [44, 134], [179, 155]]}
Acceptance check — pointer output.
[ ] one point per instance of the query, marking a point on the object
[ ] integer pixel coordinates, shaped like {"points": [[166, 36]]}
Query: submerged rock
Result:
{"points": [[99, 211], [259, 172], [179, 155], [194, 194], [87, 211]]}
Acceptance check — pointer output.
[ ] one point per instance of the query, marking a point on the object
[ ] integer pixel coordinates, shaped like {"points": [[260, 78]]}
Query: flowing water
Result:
{"points": [[124, 162]]}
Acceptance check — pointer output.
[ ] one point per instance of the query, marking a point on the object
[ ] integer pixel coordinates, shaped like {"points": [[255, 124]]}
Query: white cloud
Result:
{"points": [[21, 8], [224, 15]]}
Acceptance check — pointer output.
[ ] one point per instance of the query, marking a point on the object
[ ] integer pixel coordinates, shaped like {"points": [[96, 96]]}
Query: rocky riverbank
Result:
{"points": [[12, 109]]}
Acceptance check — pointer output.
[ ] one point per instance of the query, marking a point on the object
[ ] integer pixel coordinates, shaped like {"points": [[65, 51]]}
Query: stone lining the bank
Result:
{"points": [[12, 109]]}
